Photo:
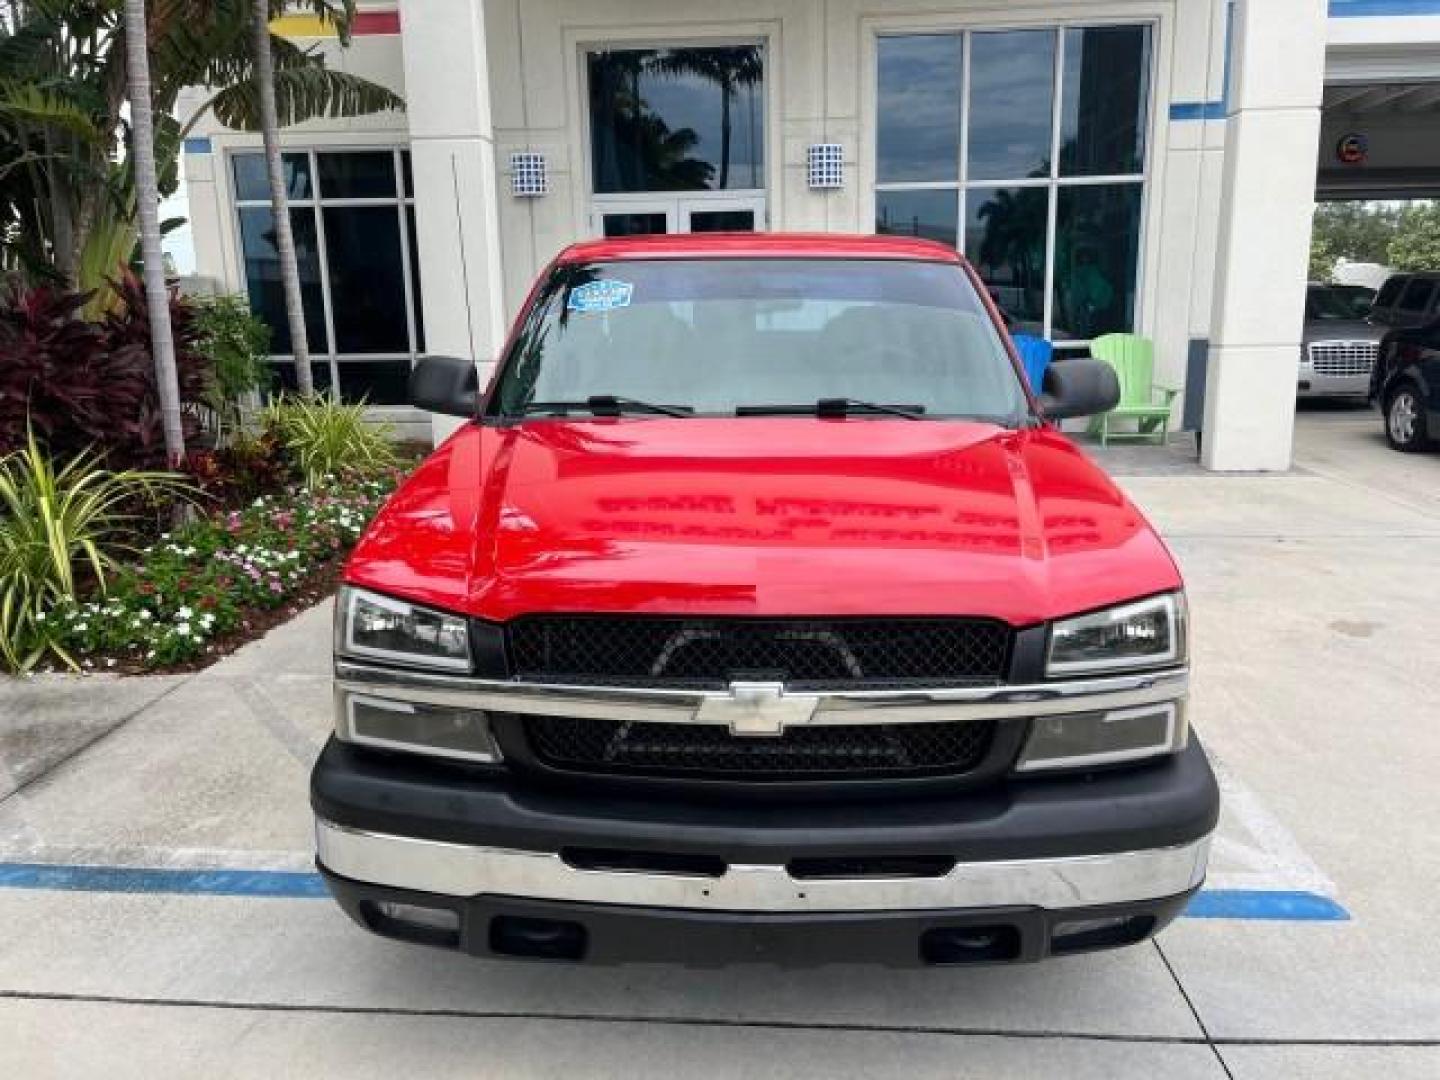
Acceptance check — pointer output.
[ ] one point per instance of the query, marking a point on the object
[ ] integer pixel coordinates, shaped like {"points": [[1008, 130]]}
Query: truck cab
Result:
{"points": [[760, 610]]}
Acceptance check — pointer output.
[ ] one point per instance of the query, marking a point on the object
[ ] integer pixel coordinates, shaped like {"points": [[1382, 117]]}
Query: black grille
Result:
{"points": [[709, 653], [854, 750]]}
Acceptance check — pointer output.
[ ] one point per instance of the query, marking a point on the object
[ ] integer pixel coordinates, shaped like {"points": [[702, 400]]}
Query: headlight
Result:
{"points": [[1146, 634], [370, 625]]}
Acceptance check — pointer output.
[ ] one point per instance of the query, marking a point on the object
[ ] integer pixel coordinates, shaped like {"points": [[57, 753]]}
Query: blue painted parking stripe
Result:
{"points": [[1270, 904], [124, 879], [1263, 904]]}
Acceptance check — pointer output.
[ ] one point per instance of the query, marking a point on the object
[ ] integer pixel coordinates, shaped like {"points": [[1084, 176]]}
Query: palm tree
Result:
{"points": [[147, 194], [279, 200], [67, 204]]}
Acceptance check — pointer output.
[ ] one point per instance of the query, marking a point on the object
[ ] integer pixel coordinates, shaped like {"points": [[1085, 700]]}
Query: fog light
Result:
{"points": [[429, 918], [438, 730], [1081, 935], [1085, 739]]}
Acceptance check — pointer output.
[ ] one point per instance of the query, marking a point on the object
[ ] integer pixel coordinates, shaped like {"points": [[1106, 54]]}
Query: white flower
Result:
{"points": [[150, 655], [145, 614], [183, 614], [183, 629]]}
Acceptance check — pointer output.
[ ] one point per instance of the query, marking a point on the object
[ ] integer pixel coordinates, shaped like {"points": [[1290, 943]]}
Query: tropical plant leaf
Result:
{"points": [[46, 108], [304, 93], [53, 520]]}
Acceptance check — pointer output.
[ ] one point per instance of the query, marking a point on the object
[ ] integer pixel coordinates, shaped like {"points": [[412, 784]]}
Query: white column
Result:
{"points": [[1271, 143], [452, 146]]}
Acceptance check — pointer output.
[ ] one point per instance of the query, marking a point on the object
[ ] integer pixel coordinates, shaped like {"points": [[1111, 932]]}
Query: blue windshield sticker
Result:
{"points": [[600, 296]]}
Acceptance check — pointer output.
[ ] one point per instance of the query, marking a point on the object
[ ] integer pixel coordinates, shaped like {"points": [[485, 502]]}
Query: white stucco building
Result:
{"points": [[1141, 165]]}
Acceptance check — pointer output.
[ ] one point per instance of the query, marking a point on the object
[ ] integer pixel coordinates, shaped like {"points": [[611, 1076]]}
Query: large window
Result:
{"points": [[681, 119], [1026, 149], [353, 216]]}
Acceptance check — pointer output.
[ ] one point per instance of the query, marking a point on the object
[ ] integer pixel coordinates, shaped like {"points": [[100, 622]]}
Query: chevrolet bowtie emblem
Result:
{"points": [[757, 708]]}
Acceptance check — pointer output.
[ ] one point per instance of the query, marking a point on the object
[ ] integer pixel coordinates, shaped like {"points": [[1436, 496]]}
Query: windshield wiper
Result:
{"points": [[606, 405], [833, 406]]}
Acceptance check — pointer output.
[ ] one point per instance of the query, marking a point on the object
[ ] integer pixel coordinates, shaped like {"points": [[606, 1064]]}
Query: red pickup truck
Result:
{"points": [[759, 610]]}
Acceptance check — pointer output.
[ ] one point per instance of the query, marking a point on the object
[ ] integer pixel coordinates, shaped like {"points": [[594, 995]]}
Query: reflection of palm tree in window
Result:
{"points": [[635, 149], [1012, 249], [730, 69]]}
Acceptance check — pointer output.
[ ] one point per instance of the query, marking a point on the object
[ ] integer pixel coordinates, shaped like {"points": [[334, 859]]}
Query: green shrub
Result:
{"points": [[58, 526], [328, 439], [237, 346]]}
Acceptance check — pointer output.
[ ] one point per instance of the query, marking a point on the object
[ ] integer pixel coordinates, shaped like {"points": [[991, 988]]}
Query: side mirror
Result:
{"points": [[445, 384], [1079, 387]]}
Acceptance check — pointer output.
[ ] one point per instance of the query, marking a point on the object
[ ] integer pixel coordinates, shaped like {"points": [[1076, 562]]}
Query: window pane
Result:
{"points": [[407, 174], [677, 119], [251, 181], [1012, 77], [1103, 106], [929, 214], [722, 221], [377, 382], [367, 279], [415, 284], [262, 274], [919, 108], [1097, 244], [641, 224], [1005, 239], [284, 377], [1416, 297], [357, 176]]}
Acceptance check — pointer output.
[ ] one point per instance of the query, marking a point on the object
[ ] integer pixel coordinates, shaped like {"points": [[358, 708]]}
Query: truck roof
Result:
{"points": [[759, 245]]}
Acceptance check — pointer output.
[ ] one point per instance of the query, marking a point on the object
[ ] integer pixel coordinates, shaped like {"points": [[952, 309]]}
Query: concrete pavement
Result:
{"points": [[1315, 693]]}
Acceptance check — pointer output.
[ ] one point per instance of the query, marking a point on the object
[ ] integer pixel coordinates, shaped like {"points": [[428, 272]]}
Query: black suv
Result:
{"points": [[1405, 383]]}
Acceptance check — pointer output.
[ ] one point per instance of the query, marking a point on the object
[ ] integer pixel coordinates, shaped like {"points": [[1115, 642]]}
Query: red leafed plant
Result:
{"points": [[90, 385]]}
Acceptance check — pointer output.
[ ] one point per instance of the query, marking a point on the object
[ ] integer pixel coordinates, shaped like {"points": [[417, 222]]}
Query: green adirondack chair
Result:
{"points": [[1133, 358]]}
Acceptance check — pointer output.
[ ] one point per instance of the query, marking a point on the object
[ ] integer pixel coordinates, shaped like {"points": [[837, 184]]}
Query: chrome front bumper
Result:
{"points": [[1054, 884]]}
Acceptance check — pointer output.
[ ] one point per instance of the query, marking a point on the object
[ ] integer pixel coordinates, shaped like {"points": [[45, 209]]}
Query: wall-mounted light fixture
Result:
{"points": [[825, 166], [528, 178]]}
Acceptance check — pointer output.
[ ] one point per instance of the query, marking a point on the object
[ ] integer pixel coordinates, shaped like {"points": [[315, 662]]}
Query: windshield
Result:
{"points": [[1327, 305], [720, 335]]}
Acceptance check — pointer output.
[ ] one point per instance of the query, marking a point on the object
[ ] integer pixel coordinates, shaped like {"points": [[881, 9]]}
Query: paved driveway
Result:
{"points": [[1316, 607]]}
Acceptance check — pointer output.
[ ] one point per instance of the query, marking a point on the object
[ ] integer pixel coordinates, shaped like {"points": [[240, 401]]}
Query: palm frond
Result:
{"points": [[304, 93], [31, 104]]}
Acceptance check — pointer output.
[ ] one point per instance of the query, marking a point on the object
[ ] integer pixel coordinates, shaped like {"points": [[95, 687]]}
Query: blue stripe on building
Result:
{"points": [[1198, 110], [1375, 9]]}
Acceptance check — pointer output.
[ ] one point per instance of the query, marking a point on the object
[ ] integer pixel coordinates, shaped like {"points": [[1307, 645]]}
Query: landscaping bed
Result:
{"points": [[201, 591]]}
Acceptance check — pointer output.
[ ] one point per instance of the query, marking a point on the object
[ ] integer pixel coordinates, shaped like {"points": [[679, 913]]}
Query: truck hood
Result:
{"points": [[772, 516]]}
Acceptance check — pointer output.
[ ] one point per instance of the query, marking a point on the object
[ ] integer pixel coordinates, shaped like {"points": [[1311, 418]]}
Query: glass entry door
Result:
{"points": [[639, 217], [677, 138]]}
